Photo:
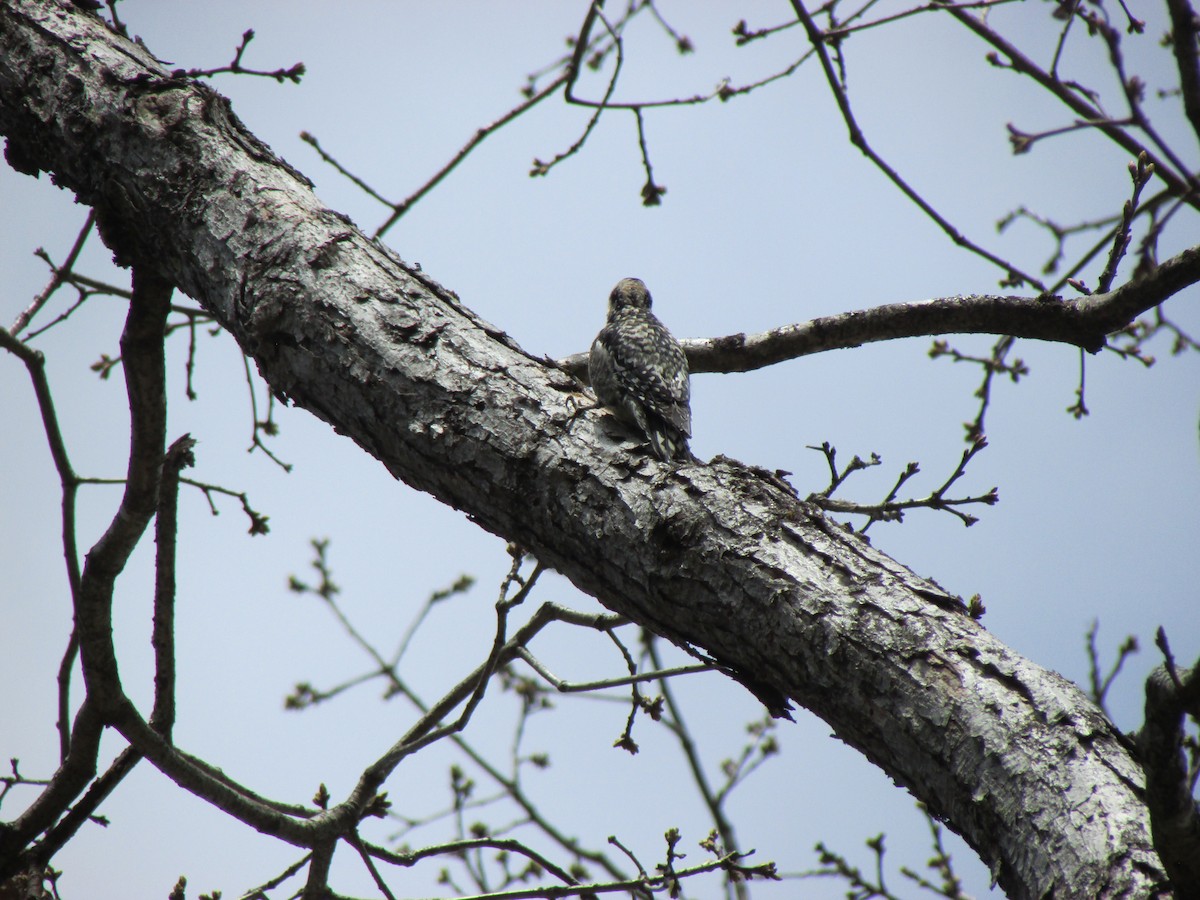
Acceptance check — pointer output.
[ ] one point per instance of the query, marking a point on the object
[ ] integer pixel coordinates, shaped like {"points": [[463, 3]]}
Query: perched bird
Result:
{"points": [[638, 371]]}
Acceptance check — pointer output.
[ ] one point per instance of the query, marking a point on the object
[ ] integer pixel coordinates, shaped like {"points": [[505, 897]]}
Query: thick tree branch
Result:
{"points": [[714, 556], [68, 782], [1082, 322], [145, 380]]}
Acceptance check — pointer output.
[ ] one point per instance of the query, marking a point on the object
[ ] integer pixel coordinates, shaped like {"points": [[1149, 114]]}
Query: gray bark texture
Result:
{"points": [[719, 557]]}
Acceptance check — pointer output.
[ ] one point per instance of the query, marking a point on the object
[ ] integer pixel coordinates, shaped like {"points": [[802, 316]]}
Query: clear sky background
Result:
{"points": [[771, 217]]}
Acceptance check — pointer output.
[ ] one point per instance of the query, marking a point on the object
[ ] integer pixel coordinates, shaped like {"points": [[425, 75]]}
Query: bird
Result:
{"points": [[639, 371]]}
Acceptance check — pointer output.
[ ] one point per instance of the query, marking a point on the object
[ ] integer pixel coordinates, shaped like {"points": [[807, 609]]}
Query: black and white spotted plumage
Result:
{"points": [[638, 370]]}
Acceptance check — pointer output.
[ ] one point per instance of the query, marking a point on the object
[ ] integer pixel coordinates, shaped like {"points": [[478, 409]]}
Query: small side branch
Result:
{"points": [[179, 457], [58, 278], [1007, 55], [577, 687], [293, 73], [258, 522], [836, 477], [1099, 684], [35, 364], [541, 168], [892, 510], [995, 364], [399, 209], [265, 426], [1140, 172]]}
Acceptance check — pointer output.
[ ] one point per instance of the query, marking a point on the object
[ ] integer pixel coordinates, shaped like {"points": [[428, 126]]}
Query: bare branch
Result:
{"points": [[1083, 322], [1185, 26], [311, 140], [541, 168], [575, 687], [992, 365], [1099, 686], [1060, 234], [1022, 142], [84, 809], [60, 274], [819, 39], [651, 193], [855, 465], [35, 364], [951, 886], [142, 348], [892, 510], [1140, 172], [455, 847], [179, 456], [1079, 409], [293, 73], [713, 800], [68, 783], [1134, 89], [1180, 183], [262, 426], [935, 6], [744, 34], [479, 137]]}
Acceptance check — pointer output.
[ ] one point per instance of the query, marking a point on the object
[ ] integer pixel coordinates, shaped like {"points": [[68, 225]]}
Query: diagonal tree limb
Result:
{"points": [[715, 556]]}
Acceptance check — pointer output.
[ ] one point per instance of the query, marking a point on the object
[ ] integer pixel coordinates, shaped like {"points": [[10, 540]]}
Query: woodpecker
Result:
{"points": [[638, 371]]}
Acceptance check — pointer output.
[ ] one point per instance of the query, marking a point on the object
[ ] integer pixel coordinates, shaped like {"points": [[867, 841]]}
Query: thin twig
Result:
{"points": [[541, 168], [1180, 184], [936, 6], [58, 277], [479, 137], [293, 73], [572, 687], [712, 800], [35, 365], [818, 39]]}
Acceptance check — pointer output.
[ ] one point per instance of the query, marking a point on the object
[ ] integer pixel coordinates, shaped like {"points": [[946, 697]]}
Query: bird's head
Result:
{"points": [[630, 293]]}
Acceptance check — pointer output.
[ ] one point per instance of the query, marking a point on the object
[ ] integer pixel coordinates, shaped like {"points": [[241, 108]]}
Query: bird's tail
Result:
{"points": [[668, 443]]}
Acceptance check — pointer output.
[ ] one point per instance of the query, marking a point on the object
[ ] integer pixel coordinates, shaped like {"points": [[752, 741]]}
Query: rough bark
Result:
{"points": [[1175, 816], [716, 556]]}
